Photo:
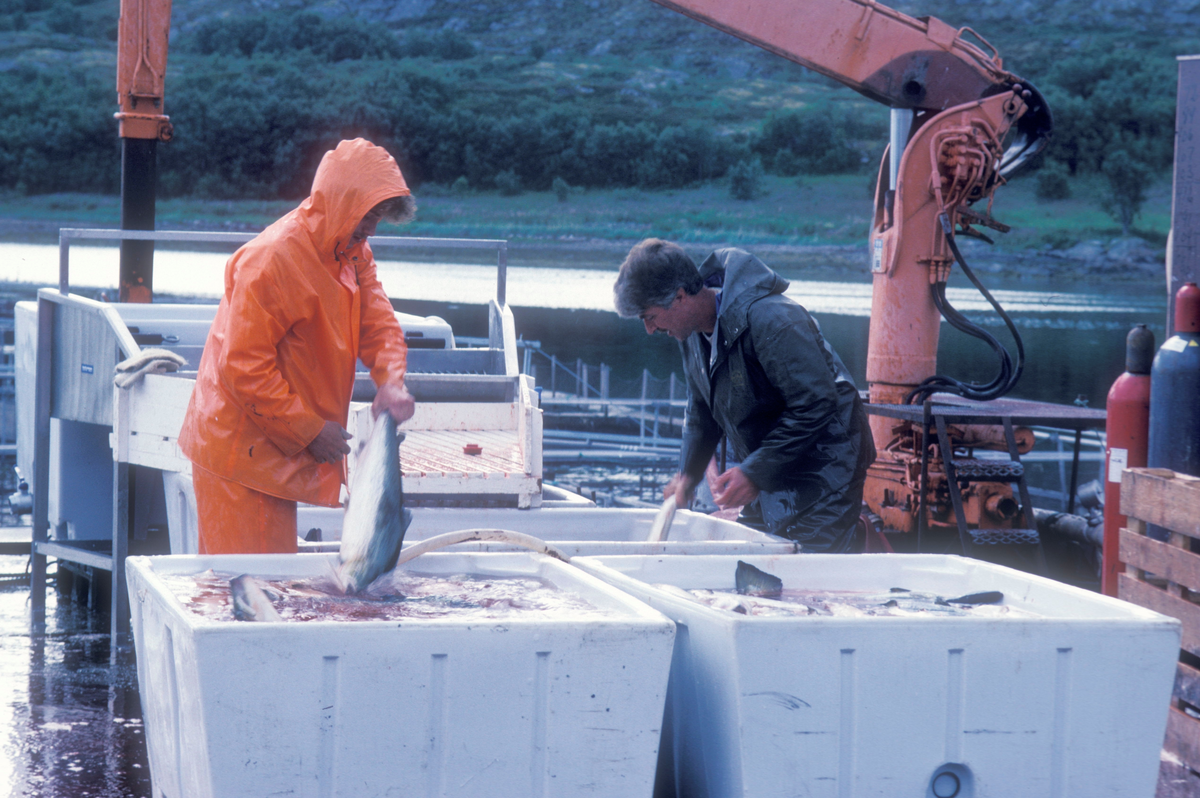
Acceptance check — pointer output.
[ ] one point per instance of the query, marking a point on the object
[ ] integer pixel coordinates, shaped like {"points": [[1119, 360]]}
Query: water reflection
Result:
{"points": [[1075, 341], [71, 722], [202, 274]]}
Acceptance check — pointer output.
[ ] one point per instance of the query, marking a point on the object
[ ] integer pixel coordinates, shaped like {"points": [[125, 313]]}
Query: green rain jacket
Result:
{"points": [[785, 401]]}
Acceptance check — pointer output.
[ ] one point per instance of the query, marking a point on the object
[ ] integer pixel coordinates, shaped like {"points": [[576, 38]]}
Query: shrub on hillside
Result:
{"points": [[1109, 100], [508, 183], [813, 141], [1126, 179], [336, 39], [745, 179], [562, 189], [1052, 182]]}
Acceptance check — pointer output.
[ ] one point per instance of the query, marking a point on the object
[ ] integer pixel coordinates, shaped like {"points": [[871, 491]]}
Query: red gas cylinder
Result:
{"points": [[1127, 433]]}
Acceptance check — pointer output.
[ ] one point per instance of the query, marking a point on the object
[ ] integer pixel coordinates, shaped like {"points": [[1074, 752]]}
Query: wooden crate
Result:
{"points": [[1165, 577]]}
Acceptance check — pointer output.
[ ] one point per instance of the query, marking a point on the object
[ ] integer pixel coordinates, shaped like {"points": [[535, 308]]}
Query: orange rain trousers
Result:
{"points": [[235, 519]]}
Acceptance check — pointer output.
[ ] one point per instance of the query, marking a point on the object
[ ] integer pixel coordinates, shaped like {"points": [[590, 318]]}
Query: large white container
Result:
{"points": [[1071, 703], [573, 531], [419, 708]]}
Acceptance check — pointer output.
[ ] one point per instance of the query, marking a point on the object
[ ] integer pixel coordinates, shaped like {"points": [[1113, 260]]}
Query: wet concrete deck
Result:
{"points": [[70, 723]]}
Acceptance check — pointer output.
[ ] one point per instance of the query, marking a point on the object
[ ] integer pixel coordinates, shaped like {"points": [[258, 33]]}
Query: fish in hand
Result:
{"points": [[376, 520]]}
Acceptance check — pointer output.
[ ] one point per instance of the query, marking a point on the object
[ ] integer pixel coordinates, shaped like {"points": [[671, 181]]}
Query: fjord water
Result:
{"points": [[1074, 338]]}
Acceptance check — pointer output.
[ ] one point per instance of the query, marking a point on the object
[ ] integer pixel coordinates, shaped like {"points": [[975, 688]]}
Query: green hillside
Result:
{"points": [[484, 101]]}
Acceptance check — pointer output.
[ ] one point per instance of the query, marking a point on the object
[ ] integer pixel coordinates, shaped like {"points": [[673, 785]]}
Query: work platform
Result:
{"points": [[941, 410], [81, 435]]}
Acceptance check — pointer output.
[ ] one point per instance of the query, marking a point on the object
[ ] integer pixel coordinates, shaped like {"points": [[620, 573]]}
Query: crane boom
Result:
{"points": [[894, 59]]}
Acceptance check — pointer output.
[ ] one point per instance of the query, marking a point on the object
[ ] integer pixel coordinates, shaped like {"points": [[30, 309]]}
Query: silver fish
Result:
{"points": [[250, 600], [375, 523]]}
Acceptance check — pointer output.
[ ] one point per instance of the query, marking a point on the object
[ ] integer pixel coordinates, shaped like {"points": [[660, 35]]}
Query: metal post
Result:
{"points": [[581, 378], [1075, 470], [64, 249], [119, 620], [926, 420], [604, 371], [671, 404], [502, 274], [1183, 246], [139, 176], [40, 484], [642, 414], [528, 360], [1062, 469], [553, 374]]}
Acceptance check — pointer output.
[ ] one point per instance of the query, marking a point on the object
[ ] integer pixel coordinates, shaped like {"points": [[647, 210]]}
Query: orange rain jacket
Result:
{"points": [[297, 311]]}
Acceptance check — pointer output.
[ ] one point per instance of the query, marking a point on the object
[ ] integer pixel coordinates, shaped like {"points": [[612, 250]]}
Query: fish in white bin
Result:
{"points": [[376, 520]]}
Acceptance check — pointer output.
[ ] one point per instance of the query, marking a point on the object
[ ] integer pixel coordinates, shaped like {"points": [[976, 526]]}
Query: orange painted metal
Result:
{"points": [[1127, 430], [895, 59], [142, 35], [950, 161]]}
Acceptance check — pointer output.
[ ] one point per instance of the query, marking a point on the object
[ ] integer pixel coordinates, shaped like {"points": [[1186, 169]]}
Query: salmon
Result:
{"points": [[376, 520]]}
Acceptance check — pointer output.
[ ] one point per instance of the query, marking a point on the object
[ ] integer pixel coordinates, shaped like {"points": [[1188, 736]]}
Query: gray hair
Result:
{"points": [[651, 276], [400, 209]]}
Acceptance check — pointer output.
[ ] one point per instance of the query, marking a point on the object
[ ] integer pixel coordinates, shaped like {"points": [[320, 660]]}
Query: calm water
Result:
{"points": [[1075, 341]]}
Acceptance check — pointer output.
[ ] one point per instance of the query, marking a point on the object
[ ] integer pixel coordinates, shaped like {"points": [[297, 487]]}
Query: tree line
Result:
{"points": [[258, 99]]}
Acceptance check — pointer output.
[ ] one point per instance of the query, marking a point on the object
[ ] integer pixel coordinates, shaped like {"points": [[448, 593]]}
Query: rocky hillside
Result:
{"points": [[637, 28]]}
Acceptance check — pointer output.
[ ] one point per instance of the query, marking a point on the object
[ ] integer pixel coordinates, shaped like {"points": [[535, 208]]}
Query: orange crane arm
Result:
{"points": [[892, 58]]}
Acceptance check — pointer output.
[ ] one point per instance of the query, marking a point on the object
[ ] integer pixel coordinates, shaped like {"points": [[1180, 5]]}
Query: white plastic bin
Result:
{"points": [[374, 708], [572, 530], [1070, 703]]}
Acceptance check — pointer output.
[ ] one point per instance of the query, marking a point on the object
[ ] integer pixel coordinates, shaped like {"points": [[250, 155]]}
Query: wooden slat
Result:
{"points": [[1183, 738], [1161, 559], [1176, 780], [1187, 684], [1150, 597], [1162, 497]]}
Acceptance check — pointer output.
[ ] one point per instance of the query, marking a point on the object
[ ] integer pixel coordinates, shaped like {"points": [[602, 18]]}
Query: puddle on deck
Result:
{"points": [[70, 724]]}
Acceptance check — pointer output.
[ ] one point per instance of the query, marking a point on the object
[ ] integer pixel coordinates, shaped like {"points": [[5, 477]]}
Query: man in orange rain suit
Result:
{"points": [[266, 424]]}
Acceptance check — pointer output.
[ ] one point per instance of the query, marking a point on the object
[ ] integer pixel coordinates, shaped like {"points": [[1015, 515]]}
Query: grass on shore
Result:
{"points": [[806, 211]]}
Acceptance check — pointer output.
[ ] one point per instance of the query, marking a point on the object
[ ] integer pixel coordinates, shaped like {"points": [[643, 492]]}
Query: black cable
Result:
{"points": [[1007, 377]]}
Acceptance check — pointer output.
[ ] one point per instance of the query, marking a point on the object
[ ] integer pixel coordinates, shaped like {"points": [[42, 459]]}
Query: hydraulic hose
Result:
{"points": [[1007, 377], [465, 535]]}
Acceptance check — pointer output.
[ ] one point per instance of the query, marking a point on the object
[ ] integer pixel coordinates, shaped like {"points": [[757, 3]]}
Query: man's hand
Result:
{"points": [[682, 488], [394, 398], [330, 444], [733, 489]]}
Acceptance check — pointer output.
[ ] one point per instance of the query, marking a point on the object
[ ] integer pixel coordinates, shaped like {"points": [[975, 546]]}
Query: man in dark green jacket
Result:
{"points": [[759, 371]]}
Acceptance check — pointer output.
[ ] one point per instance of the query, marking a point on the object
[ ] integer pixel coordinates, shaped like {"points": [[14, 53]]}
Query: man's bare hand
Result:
{"points": [[682, 488], [733, 489], [394, 398], [330, 444]]}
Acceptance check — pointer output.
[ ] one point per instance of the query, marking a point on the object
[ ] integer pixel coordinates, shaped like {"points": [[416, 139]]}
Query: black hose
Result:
{"points": [[1007, 377]]}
